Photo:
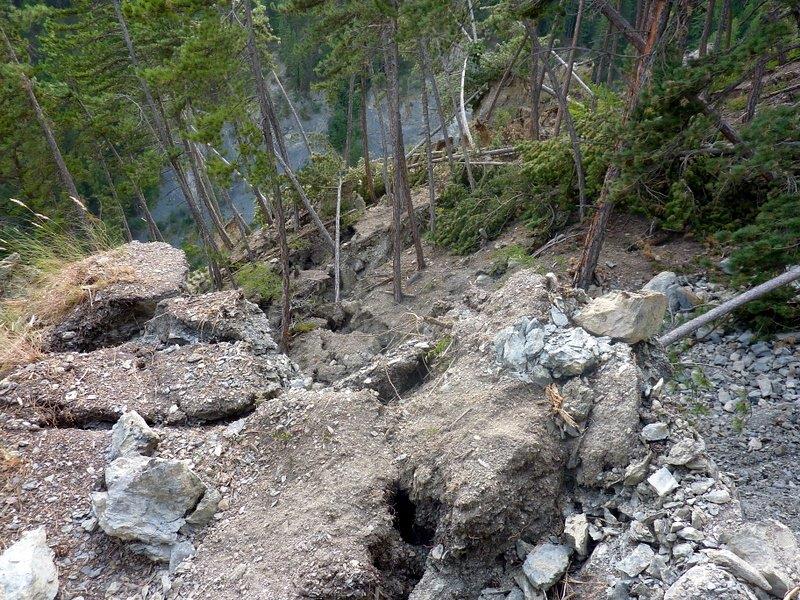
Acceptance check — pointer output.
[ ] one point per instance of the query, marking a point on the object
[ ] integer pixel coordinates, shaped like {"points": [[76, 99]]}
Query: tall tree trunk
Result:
{"points": [[595, 236], [63, 172], [755, 89], [573, 135], [709, 21], [202, 193], [336, 254], [505, 78], [570, 64], [402, 189], [283, 152], [612, 52], [536, 90], [723, 28], [294, 113], [462, 113], [365, 140], [465, 145], [141, 202], [125, 227], [348, 138], [241, 224], [263, 103], [387, 185], [437, 99], [164, 138], [428, 152]]}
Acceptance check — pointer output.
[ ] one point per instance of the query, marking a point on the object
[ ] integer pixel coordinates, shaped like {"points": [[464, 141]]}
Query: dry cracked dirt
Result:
{"points": [[472, 442]]}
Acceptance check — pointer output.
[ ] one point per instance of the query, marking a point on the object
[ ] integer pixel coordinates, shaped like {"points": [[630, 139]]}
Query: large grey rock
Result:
{"points": [[738, 567], [703, 582], [147, 501], [637, 561], [576, 530], [627, 316], [537, 352], [572, 351], [614, 416], [771, 547], [679, 298], [545, 565], [27, 570], [131, 435], [224, 316]]}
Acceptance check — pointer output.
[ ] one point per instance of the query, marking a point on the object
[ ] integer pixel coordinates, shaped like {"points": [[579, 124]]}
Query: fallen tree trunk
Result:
{"points": [[726, 307]]}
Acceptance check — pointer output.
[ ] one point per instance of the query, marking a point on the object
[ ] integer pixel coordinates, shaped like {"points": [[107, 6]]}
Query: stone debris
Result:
{"points": [[637, 561], [537, 352], [663, 482], [627, 316], [545, 565], [654, 432], [576, 531], [132, 435], [224, 316], [27, 570], [708, 581]]}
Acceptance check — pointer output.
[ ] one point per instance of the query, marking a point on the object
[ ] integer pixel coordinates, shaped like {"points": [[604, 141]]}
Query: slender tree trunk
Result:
{"points": [[384, 143], [505, 78], [241, 224], [462, 113], [465, 145], [595, 236], [723, 34], [141, 201], [536, 90], [279, 138], [365, 140], [202, 193], [573, 135], [125, 227], [707, 28], [537, 48], [63, 172], [348, 139], [437, 99], [336, 254], [263, 103], [755, 89], [402, 190], [570, 64], [428, 152], [294, 113], [612, 53]]}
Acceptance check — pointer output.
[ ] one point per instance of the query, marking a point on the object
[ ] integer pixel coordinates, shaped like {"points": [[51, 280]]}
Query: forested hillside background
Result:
{"points": [[684, 111]]}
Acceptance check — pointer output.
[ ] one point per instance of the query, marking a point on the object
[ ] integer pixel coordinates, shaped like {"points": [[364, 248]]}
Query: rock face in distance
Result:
{"points": [[215, 317], [147, 501], [627, 316], [131, 435], [130, 281], [27, 570]]}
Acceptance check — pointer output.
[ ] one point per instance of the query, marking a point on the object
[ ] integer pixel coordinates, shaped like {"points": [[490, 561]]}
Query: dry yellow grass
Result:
{"points": [[57, 274]]}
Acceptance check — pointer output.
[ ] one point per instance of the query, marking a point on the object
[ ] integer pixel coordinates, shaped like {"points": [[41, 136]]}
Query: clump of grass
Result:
{"points": [[259, 281], [304, 327], [55, 274]]}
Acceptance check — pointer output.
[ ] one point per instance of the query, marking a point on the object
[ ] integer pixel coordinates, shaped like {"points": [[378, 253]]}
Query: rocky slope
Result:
{"points": [[507, 440]]}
